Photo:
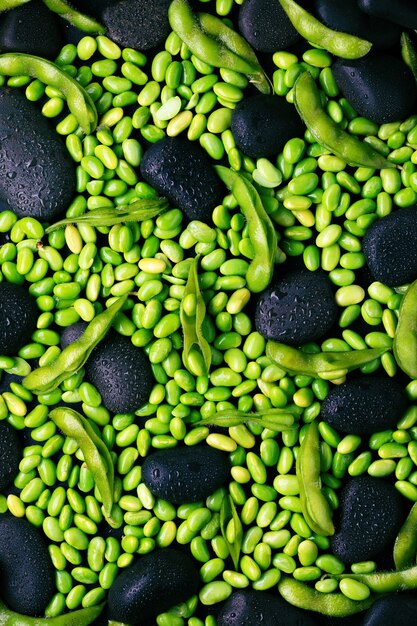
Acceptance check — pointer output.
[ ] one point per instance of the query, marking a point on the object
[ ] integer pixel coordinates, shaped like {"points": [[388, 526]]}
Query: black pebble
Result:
{"points": [[27, 576], [18, 316], [185, 474], [247, 608], [139, 24], [94, 8], [72, 333], [121, 372], [371, 513], [403, 12], [183, 172], [348, 18], [393, 610], [366, 405], [31, 28], [37, 176], [266, 26], [297, 308], [390, 247], [261, 125], [151, 585], [10, 454], [378, 86]]}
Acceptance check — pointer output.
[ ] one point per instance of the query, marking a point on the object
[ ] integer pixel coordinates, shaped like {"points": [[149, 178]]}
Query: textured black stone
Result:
{"points": [[10, 454], [72, 333], [394, 610], [403, 12], [139, 24], [18, 316], [37, 177], [266, 26], [185, 474], [379, 86]]}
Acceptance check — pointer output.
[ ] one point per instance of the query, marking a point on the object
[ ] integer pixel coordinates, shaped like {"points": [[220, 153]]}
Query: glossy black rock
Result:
{"points": [[181, 171], [151, 585], [121, 372], [371, 513], [266, 26], [247, 608], [379, 86], [297, 308], [186, 473], [10, 453], [390, 247], [18, 316], [139, 24], [262, 124], [403, 12], [36, 173], [27, 576], [366, 405], [399, 610]]}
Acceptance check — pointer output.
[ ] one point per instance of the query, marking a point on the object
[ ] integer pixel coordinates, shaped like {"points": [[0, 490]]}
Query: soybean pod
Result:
{"points": [[228, 513], [335, 604], [79, 101], [327, 365], [327, 133], [315, 508], [262, 233], [47, 378], [74, 17], [338, 43], [213, 42], [96, 454], [274, 419], [409, 53], [405, 338], [405, 546], [387, 582], [82, 617], [192, 326], [138, 211], [6, 5]]}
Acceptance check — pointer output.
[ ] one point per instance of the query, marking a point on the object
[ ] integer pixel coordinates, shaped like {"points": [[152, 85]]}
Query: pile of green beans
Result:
{"points": [[195, 278]]}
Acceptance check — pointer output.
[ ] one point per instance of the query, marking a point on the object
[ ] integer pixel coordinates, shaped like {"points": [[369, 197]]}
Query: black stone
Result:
{"points": [[139, 24], [371, 513], [261, 125], [185, 474], [121, 372], [378, 86], [183, 172], [10, 454], [364, 406], [37, 177], [390, 247], [296, 309], [18, 316], [72, 333], [403, 12], [27, 576], [393, 610], [151, 585], [247, 608], [31, 28], [266, 26]]}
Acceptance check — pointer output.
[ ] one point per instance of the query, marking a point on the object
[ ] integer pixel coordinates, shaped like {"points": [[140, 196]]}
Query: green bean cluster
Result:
{"points": [[194, 278]]}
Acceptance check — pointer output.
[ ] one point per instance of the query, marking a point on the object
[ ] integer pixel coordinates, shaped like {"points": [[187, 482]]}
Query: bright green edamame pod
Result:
{"points": [[387, 582], [138, 211], [274, 419], [6, 5], [192, 325], [315, 507], [405, 546], [228, 512], [96, 454], [338, 43], [261, 231], [47, 378], [333, 604], [79, 101], [213, 42], [327, 133], [327, 365], [409, 53], [74, 17], [82, 617], [405, 338]]}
